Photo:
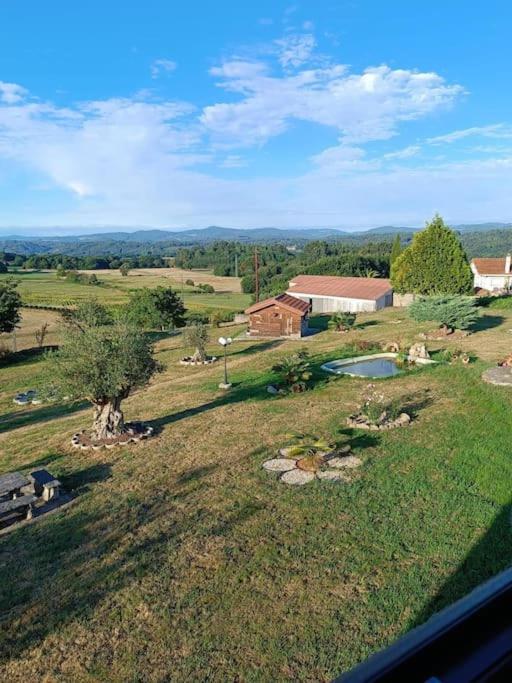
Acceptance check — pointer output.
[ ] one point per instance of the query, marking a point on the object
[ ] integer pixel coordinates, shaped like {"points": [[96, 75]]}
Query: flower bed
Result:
{"points": [[134, 432]]}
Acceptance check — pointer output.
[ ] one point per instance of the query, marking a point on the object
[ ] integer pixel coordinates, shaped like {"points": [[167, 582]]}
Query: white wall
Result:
{"points": [[330, 304], [491, 282]]}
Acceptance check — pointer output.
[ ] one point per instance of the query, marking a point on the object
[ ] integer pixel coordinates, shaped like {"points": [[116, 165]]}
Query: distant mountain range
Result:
{"points": [[136, 241]]}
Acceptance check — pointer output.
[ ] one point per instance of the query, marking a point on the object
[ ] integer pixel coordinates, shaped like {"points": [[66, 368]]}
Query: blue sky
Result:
{"points": [[187, 114]]}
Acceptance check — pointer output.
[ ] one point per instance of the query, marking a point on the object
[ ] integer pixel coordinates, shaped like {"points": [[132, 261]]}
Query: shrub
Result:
{"points": [[190, 283], [207, 289], [377, 409], [342, 321], [294, 371], [40, 335], [449, 311]]}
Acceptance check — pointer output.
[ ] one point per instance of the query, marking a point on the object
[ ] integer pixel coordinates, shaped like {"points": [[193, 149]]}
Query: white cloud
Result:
{"points": [[161, 66], [11, 92], [497, 130], [361, 106], [294, 50], [136, 161], [405, 153], [233, 161]]}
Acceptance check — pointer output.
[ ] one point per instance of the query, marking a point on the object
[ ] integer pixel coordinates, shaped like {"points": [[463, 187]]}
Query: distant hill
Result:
{"points": [[129, 242]]}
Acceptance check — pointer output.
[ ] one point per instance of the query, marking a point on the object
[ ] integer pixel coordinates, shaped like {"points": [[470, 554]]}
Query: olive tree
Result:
{"points": [[197, 336], [104, 365]]}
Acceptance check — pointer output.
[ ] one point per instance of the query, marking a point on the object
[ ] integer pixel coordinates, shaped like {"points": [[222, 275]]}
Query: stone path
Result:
{"points": [[333, 469]]}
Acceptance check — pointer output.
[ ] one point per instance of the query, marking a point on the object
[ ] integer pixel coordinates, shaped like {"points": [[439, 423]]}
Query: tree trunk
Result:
{"points": [[199, 355], [108, 420]]}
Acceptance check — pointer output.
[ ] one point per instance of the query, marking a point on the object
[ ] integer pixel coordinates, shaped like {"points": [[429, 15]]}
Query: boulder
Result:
{"points": [[419, 351]]}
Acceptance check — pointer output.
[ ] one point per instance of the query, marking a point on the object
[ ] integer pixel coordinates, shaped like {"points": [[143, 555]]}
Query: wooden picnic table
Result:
{"points": [[11, 483]]}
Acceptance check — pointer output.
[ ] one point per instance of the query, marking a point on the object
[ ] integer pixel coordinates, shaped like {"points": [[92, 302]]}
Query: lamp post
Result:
{"points": [[225, 342]]}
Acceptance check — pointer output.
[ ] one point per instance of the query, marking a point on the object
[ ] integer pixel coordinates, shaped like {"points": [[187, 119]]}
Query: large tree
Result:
{"points": [[103, 364], [198, 337], [158, 308], [10, 304], [434, 263]]}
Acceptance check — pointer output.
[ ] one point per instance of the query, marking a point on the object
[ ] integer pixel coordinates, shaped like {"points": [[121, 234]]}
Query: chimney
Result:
{"points": [[508, 261]]}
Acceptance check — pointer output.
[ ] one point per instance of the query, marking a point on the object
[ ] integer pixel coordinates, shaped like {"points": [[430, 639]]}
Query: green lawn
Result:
{"points": [[183, 560]]}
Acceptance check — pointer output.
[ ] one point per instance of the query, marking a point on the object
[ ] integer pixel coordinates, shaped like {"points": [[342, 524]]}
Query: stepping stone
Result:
{"points": [[279, 465], [501, 376], [297, 477], [348, 462], [333, 475]]}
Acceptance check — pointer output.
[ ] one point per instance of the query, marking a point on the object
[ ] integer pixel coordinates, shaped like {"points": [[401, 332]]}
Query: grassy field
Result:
{"points": [[182, 560], [44, 288]]}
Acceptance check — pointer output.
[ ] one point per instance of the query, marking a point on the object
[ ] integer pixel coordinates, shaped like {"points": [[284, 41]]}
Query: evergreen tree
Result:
{"points": [[434, 263], [396, 249], [451, 312], [10, 304]]}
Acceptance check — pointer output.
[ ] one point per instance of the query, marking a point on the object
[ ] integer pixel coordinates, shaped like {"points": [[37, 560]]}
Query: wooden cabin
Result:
{"points": [[280, 316]]}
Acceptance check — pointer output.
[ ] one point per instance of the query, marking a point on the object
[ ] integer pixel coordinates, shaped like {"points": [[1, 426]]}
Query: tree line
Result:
{"points": [[70, 263], [279, 264]]}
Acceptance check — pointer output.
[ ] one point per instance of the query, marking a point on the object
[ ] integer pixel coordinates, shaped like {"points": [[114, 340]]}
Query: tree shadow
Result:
{"points": [[319, 322], [81, 481], [365, 324], [44, 461], [257, 347], [59, 570], [24, 418], [358, 441], [196, 473], [26, 356], [491, 555], [487, 322]]}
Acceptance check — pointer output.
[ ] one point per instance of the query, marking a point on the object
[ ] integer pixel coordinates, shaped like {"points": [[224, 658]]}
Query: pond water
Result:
{"points": [[369, 367]]}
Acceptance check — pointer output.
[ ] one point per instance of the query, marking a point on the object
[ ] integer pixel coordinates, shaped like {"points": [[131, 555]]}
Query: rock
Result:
{"points": [[332, 475], [297, 477], [279, 465], [391, 347], [271, 389], [348, 462], [419, 351], [403, 419], [501, 376]]}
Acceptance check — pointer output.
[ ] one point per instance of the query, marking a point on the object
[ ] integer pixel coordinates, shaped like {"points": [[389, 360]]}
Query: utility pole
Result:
{"points": [[256, 276]]}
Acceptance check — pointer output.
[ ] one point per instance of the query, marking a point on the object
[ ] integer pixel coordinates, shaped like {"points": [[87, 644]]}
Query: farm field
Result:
{"points": [[187, 561], [43, 288]]}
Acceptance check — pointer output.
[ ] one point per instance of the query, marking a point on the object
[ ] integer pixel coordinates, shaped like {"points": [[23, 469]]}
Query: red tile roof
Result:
{"points": [[344, 287], [284, 300], [490, 266]]}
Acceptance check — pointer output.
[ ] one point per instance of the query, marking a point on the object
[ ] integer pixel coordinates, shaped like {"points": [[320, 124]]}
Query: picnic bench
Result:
{"points": [[22, 504], [45, 484], [12, 483]]}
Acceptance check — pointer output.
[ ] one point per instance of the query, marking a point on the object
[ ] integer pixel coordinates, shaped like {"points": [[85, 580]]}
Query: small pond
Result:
{"points": [[375, 366]]}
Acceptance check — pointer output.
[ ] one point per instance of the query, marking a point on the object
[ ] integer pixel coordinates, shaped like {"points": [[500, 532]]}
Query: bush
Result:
{"points": [[451, 312], [342, 321], [190, 283], [377, 408], [294, 371], [207, 289]]}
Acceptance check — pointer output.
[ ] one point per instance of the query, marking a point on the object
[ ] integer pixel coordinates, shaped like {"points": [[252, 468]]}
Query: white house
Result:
{"points": [[492, 274], [327, 294]]}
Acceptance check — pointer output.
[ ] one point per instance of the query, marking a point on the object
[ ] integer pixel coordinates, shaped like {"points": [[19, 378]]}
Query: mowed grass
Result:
{"points": [[44, 288], [182, 560]]}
